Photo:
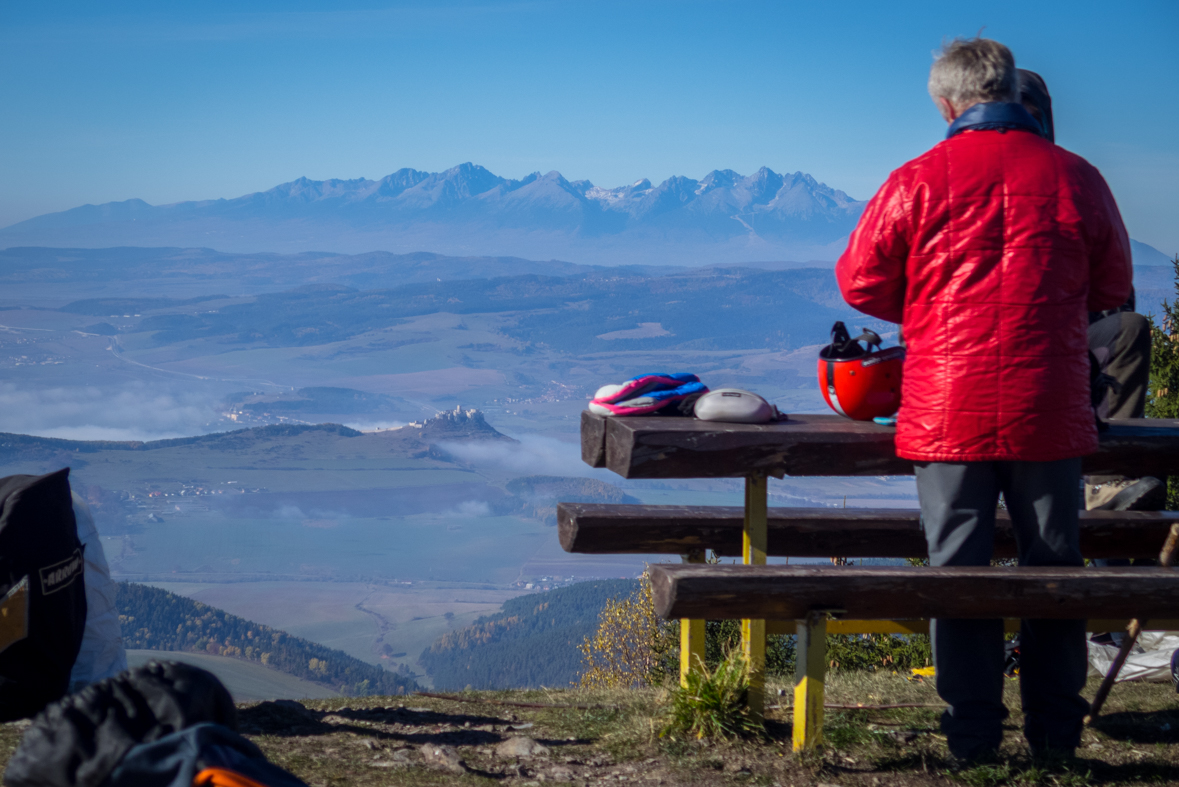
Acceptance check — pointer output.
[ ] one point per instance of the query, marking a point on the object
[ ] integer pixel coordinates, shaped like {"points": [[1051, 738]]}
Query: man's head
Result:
{"points": [[972, 71], [1033, 94]]}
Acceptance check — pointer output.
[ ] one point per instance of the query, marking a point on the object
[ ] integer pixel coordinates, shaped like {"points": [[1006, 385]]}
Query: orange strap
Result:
{"points": [[220, 777]]}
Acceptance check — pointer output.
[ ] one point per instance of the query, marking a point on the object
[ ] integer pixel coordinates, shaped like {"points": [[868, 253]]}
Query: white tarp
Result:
{"points": [[102, 653], [1152, 662]]}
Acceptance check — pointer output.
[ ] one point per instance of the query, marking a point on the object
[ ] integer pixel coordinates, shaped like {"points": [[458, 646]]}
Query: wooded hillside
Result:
{"points": [[155, 619], [532, 642]]}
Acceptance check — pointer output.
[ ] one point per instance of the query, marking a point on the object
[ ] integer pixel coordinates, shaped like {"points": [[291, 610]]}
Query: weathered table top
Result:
{"points": [[820, 445]]}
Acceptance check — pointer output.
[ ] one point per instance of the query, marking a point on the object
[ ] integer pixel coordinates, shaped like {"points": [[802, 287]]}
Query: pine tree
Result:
{"points": [[1162, 399]]}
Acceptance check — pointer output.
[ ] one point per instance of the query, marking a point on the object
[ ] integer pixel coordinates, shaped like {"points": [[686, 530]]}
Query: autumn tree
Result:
{"points": [[631, 646]]}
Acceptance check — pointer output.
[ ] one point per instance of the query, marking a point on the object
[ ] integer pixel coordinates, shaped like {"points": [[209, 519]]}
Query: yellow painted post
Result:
{"points": [[809, 671], [691, 633], [753, 632]]}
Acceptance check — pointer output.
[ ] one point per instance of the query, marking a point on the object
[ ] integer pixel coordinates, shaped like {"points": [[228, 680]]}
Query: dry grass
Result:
{"points": [[390, 741]]}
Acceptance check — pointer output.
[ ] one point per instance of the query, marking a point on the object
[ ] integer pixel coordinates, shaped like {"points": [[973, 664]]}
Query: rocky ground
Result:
{"points": [[589, 738]]}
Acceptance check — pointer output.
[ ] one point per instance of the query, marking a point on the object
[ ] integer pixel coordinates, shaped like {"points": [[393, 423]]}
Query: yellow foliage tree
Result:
{"points": [[631, 644]]}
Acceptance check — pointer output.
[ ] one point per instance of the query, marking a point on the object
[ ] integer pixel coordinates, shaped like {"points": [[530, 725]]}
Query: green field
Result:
{"points": [[246, 681]]}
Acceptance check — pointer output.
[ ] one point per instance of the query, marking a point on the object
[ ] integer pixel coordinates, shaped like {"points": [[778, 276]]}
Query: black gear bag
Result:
{"points": [[42, 592]]}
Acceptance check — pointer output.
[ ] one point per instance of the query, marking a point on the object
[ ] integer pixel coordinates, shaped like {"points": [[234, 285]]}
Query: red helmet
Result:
{"points": [[860, 383]]}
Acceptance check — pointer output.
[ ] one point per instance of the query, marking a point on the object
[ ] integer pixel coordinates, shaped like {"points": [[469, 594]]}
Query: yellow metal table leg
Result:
{"points": [[691, 633], [809, 671], [753, 632]]}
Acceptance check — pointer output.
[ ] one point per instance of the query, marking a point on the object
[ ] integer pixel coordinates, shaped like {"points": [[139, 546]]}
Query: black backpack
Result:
{"points": [[42, 592], [158, 725]]}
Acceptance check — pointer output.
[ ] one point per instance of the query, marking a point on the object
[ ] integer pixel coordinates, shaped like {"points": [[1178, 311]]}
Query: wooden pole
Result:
{"points": [[753, 632], [810, 669], [1133, 630], [691, 633]]}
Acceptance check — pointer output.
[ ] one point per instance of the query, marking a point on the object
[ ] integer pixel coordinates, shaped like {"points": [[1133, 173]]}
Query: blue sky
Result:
{"points": [[167, 102]]}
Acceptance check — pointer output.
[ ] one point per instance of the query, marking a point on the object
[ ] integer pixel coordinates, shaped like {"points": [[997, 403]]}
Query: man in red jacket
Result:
{"points": [[990, 250]]}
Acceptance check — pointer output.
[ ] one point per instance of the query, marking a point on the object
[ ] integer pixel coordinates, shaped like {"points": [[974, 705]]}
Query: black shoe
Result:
{"points": [[969, 756], [982, 757], [1051, 754]]}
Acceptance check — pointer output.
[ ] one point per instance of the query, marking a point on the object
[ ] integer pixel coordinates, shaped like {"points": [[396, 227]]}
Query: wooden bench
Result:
{"points": [[808, 594], [806, 445], [598, 529], [883, 592]]}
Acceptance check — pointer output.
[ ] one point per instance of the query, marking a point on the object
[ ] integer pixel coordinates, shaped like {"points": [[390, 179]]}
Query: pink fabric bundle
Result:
{"points": [[647, 393]]}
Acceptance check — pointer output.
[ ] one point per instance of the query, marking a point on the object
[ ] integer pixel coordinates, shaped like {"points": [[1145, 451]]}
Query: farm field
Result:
{"points": [[245, 680]]}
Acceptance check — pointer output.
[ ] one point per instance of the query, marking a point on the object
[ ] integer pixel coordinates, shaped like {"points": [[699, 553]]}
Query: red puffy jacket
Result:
{"points": [[990, 250]]}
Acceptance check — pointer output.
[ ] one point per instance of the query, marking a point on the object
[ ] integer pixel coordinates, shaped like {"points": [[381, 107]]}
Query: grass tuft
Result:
{"points": [[995, 775], [713, 703]]}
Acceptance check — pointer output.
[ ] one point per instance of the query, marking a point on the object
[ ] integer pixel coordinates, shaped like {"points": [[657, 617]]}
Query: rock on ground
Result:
{"points": [[443, 757], [520, 747]]}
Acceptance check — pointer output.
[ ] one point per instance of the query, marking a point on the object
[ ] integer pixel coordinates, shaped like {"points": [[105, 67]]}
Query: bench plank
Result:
{"points": [[603, 529], [817, 445], [790, 592], [919, 626]]}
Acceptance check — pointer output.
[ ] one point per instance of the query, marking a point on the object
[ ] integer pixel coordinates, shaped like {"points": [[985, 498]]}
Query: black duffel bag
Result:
{"points": [[42, 592]]}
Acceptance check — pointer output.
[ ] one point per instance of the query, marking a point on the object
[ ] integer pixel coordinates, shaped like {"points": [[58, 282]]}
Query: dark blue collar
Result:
{"points": [[992, 115]]}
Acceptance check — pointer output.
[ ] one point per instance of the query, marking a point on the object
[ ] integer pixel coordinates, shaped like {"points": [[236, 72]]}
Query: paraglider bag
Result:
{"points": [[42, 592]]}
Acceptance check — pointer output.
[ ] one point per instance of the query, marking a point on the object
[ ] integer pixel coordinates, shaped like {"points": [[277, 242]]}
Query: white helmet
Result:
{"points": [[736, 406]]}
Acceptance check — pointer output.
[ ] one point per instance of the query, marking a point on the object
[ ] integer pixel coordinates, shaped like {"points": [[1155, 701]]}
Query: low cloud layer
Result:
{"points": [[135, 411], [533, 455], [472, 508], [289, 511]]}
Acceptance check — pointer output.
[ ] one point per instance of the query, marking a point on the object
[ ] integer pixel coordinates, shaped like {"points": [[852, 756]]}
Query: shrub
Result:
{"points": [[1162, 399], [713, 703], [871, 652]]}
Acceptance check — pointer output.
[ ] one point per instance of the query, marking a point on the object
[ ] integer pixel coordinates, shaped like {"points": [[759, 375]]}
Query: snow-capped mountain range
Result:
{"points": [[723, 217]]}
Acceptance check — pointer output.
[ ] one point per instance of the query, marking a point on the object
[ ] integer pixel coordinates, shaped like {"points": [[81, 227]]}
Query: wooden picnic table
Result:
{"points": [[805, 445]]}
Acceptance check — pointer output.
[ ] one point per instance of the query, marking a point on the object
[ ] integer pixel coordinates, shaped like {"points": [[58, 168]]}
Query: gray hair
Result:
{"points": [[973, 70]]}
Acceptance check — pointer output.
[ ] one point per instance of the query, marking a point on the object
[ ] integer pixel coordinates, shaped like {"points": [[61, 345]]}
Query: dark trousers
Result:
{"points": [[1121, 344], [958, 501]]}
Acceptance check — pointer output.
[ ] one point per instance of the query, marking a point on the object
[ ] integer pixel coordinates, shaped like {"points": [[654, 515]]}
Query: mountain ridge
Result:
{"points": [[722, 217]]}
